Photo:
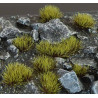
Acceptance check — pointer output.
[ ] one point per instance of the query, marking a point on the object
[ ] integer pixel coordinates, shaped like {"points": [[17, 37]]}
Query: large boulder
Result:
{"points": [[70, 81], [10, 32], [53, 31]]}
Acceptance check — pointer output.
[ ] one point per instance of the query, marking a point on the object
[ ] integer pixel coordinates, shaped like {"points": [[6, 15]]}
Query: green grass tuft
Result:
{"points": [[43, 63], [50, 12], [49, 83], [84, 20], [65, 48], [24, 42], [80, 70], [16, 73]]}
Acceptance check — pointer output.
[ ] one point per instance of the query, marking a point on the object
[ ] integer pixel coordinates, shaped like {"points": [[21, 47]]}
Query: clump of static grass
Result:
{"points": [[43, 63], [80, 70], [16, 74], [24, 42], [49, 83], [50, 12], [84, 20], [65, 48]]}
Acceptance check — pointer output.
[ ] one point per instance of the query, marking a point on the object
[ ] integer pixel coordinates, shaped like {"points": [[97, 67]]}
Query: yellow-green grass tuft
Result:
{"points": [[50, 12], [84, 20], [65, 48], [24, 42], [43, 63], [80, 70], [16, 74], [49, 83]]}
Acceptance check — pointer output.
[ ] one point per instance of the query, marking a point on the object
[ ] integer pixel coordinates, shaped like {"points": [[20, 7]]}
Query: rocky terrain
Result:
{"points": [[54, 31]]}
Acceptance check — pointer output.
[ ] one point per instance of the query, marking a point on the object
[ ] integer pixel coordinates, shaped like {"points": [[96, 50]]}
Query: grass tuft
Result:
{"points": [[84, 20], [43, 63], [16, 73], [24, 42], [50, 12], [65, 48], [49, 83], [80, 70]]}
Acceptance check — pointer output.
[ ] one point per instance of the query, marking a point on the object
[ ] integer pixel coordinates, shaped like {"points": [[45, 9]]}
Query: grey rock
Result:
{"points": [[88, 78], [70, 82], [31, 88], [36, 26], [61, 72], [53, 31], [90, 49], [84, 61], [4, 55], [4, 23], [13, 49], [24, 21], [96, 55], [35, 35], [94, 87], [10, 41], [59, 62], [0, 65], [10, 32], [67, 66]]}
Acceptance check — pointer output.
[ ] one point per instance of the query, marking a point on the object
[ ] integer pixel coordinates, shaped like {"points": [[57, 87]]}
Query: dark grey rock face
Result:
{"points": [[95, 87], [25, 21], [70, 82], [53, 31], [88, 78]]}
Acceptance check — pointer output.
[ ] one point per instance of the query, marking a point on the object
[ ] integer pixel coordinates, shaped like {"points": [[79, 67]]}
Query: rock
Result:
{"points": [[70, 82], [10, 41], [10, 32], [13, 49], [61, 72], [59, 62], [90, 49], [84, 61], [96, 56], [4, 23], [30, 88], [94, 88], [0, 65], [88, 78], [53, 31], [4, 55], [23, 21], [35, 35], [67, 66]]}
